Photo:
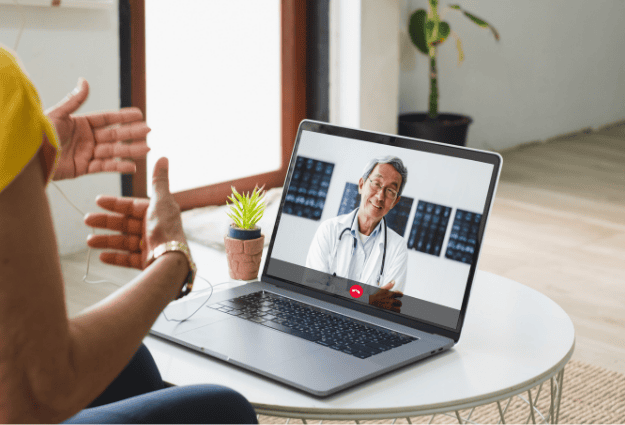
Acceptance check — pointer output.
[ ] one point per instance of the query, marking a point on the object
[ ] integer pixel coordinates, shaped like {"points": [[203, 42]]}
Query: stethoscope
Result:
{"points": [[348, 229]]}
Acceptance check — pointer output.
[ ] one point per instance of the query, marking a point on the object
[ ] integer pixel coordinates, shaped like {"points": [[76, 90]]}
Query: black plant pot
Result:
{"points": [[447, 128], [243, 234]]}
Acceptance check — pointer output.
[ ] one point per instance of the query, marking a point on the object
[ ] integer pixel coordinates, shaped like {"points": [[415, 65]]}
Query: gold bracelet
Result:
{"points": [[180, 247]]}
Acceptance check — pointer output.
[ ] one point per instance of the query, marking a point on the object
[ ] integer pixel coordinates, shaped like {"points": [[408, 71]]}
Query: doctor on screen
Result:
{"points": [[358, 245]]}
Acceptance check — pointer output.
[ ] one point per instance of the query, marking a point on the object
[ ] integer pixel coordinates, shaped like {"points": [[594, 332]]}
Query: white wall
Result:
{"points": [[559, 67], [364, 64], [57, 46], [379, 73]]}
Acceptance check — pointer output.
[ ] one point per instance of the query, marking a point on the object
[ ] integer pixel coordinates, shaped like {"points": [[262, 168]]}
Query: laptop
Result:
{"points": [[327, 327]]}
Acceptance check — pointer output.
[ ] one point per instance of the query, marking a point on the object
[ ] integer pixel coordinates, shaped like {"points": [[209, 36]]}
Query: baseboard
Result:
{"points": [[565, 136], [611, 125], [570, 135]]}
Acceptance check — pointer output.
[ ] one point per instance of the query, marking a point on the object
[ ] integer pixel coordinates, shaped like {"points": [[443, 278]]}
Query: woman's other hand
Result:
{"points": [[96, 142], [163, 222], [143, 224]]}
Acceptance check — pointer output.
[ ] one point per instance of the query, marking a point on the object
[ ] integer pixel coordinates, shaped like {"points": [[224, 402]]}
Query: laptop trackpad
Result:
{"points": [[249, 343]]}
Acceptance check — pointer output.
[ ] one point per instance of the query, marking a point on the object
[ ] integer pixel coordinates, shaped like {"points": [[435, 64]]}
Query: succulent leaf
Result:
{"points": [[247, 209]]}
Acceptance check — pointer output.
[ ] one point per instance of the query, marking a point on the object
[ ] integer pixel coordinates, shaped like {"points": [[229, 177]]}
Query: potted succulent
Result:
{"points": [[244, 241], [427, 32]]}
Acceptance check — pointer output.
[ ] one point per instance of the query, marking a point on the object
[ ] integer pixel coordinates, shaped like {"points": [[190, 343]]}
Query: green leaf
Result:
{"points": [[443, 31], [475, 19], [455, 6], [246, 209], [237, 195], [482, 23], [494, 31], [236, 220], [416, 29]]}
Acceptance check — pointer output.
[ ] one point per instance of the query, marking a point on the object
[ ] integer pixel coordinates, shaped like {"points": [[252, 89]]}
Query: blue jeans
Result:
{"points": [[139, 395]]}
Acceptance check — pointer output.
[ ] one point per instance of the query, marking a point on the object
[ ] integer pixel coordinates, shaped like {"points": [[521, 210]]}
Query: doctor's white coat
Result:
{"points": [[327, 255]]}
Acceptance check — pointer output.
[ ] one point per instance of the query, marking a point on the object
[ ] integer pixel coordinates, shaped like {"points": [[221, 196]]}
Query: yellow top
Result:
{"points": [[23, 124]]}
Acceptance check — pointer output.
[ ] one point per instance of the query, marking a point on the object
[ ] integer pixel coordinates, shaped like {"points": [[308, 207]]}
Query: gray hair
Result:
{"points": [[395, 162]]}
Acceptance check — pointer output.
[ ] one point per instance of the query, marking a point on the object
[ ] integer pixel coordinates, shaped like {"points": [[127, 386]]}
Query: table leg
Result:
{"points": [[561, 377], [502, 414], [529, 394]]}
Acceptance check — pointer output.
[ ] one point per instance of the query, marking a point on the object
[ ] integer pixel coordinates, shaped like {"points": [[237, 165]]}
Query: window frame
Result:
{"points": [[293, 104]]}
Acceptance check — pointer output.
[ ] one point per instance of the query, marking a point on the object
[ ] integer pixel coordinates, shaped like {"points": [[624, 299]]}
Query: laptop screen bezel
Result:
{"points": [[403, 142]]}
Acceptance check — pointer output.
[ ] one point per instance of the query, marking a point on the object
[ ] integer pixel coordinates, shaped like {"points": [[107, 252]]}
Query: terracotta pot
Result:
{"points": [[244, 257]]}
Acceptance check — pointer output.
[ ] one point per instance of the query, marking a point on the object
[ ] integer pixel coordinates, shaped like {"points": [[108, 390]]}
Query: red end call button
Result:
{"points": [[355, 291]]}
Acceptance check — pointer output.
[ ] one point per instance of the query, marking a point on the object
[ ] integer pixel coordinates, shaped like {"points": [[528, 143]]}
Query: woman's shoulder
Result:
{"points": [[15, 86], [9, 66], [21, 116]]}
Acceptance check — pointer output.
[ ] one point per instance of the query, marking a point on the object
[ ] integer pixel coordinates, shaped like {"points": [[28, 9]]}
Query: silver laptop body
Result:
{"points": [[442, 217]]}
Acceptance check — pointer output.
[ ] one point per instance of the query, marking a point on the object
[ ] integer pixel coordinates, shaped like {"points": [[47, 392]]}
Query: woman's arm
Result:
{"points": [[52, 367]]}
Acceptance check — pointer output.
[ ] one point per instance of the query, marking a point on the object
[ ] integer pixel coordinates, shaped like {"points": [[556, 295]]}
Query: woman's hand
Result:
{"points": [[144, 224], [96, 142]]}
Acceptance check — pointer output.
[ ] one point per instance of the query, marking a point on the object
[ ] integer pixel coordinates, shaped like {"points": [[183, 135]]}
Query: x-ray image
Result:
{"points": [[350, 199], [463, 236], [308, 188], [429, 227], [397, 218]]}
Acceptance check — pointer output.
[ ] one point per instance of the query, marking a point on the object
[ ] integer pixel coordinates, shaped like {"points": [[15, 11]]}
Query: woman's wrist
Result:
{"points": [[180, 248], [178, 269]]}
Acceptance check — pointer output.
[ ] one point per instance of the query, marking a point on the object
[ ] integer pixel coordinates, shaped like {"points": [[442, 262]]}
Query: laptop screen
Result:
{"points": [[383, 221]]}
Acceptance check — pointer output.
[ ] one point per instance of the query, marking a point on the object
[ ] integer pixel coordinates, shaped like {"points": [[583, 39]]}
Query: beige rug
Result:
{"points": [[592, 395]]}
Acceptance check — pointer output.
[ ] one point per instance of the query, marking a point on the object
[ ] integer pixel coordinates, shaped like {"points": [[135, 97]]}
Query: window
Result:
{"points": [[291, 84]]}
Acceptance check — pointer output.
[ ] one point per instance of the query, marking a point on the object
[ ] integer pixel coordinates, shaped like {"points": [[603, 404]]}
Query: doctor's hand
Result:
{"points": [[96, 142], [143, 224], [387, 299]]}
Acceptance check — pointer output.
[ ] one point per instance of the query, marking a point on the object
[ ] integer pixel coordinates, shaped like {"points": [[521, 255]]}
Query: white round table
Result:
{"points": [[514, 340]]}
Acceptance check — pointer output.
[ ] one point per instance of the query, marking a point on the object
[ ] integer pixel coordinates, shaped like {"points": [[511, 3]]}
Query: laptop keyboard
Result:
{"points": [[314, 324]]}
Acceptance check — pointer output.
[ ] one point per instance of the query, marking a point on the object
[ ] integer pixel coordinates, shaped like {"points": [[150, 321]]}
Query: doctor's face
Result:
{"points": [[379, 191]]}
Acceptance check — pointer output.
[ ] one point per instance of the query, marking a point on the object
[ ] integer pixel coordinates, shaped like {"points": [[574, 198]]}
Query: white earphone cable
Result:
{"points": [[106, 281]]}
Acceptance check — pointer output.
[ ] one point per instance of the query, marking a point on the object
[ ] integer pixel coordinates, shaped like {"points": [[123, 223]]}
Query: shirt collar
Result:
{"points": [[355, 230]]}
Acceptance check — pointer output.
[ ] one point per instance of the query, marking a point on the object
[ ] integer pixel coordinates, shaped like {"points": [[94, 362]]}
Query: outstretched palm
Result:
{"points": [[96, 142]]}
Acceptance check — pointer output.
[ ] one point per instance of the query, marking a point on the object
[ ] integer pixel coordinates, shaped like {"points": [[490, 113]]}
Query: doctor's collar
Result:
{"points": [[355, 226]]}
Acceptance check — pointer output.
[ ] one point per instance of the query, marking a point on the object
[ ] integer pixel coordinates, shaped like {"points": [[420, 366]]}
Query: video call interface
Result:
{"points": [[435, 225]]}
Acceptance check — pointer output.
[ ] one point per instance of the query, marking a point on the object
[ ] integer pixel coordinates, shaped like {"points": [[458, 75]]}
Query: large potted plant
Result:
{"points": [[427, 32], [244, 241]]}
